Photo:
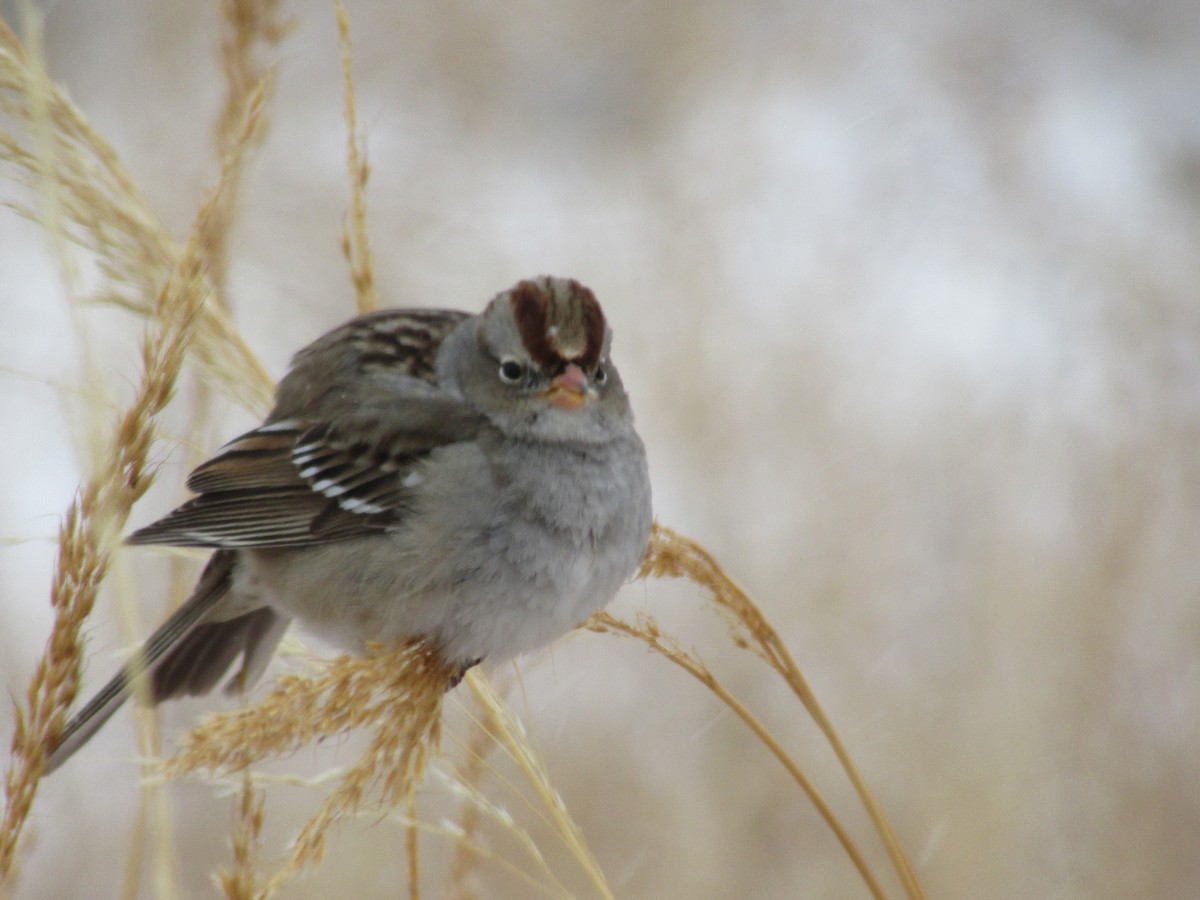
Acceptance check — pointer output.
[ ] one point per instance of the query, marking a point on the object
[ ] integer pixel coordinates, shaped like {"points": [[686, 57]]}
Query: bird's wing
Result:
{"points": [[354, 419], [296, 482]]}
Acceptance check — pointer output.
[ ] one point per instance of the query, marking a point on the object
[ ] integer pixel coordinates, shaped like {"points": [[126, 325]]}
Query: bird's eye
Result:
{"points": [[512, 371], [601, 375]]}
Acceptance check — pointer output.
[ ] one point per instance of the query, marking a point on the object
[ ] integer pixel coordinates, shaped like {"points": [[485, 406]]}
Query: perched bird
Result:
{"points": [[475, 480]]}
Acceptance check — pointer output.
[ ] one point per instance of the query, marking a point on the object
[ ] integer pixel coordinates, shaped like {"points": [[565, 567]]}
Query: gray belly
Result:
{"points": [[487, 571]]}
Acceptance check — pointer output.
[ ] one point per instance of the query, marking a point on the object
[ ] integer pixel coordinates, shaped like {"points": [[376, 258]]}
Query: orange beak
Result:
{"points": [[570, 389]]}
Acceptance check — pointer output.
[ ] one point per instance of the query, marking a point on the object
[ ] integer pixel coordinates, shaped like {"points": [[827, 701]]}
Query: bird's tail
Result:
{"points": [[185, 655]]}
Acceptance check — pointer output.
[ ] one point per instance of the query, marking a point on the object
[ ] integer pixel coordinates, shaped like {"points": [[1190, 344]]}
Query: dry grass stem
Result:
{"points": [[396, 693], [95, 205], [454, 832], [86, 539], [38, 90], [647, 630], [121, 474], [671, 555], [247, 27], [468, 842], [240, 881], [462, 877], [355, 246], [87, 536], [152, 837], [508, 732], [152, 832], [411, 846]]}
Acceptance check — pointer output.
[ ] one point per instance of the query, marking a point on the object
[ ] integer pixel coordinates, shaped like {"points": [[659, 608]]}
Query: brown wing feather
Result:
{"points": [[298, 480], [256, 459], [294, 483]]}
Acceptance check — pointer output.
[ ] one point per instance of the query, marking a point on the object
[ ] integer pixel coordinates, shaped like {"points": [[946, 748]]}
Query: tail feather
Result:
{"points": [[198, 661], [213, 585]]}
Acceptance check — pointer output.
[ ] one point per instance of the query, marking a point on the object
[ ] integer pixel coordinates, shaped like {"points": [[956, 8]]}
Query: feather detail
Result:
{"points": [[252, 460], [294, 483]]}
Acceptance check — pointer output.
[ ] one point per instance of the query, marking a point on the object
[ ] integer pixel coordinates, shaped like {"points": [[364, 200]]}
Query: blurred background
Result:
{"points": [[906, 298]]}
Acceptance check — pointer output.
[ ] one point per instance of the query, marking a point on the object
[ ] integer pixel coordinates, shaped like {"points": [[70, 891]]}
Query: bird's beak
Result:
{"points": [[570, 390]]}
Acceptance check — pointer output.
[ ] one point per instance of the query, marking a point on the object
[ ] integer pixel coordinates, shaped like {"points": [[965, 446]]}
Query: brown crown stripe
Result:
{"points": [[576, 319]]}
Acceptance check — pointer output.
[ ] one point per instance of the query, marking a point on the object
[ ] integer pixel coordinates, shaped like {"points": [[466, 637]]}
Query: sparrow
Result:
{"points": [[473, 480]]}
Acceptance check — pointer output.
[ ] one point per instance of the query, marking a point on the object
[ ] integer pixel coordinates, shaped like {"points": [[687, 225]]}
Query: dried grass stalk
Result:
{"points": [[87, 536], [647, 631], [250, 30], [473, 798], [411, 845], [121, 474], [240, 881], [248, 27], [86, 539], [51, 149], [396, 693], [469, 842], [510, 734], [462, 879], [671, 555], [355, 246]]}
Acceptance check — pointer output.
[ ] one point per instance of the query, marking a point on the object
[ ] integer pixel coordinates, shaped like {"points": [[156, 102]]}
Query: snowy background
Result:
{"points": [[907, 297]]}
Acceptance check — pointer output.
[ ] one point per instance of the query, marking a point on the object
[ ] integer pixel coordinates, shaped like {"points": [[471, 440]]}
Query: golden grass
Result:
{"points": [[90, 201], [94, 520], [355, 246], [507, 731], [250, 30], [393, 693], [462, 876], [240, 880], [671, 555]]}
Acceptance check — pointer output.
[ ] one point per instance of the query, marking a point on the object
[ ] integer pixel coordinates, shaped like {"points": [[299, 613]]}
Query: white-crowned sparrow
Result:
{"points": [[472, 479]]}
